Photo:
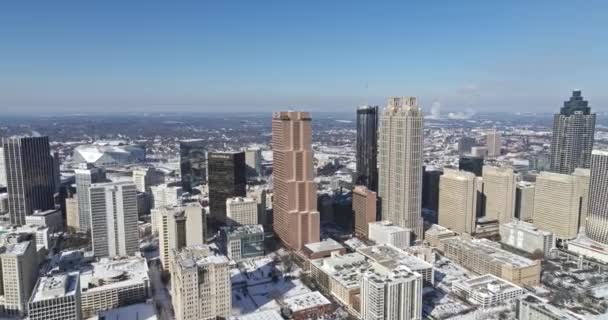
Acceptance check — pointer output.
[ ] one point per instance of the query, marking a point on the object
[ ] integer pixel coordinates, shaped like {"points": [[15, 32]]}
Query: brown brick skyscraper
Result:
{"points": [[296, 219]]}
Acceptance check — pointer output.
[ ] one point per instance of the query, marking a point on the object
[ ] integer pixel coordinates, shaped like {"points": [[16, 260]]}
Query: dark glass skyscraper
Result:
{"points": [[29, 176], [227, 179], [573, 131], [367, 147], [471, 164], [193, 163]]}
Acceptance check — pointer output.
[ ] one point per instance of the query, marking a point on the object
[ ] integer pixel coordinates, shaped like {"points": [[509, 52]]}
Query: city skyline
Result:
{"points": [[201, 57]]}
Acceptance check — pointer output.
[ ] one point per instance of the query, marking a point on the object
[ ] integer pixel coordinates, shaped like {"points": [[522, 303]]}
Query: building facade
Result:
{"points": [[253, 160], [192, 163], [364, 209], [385, 232], [296, 219], [241, 211], [471, 164], [526, 237], [243, 242], [367, 147], [524, 201], [494, 143], [458, 201], [597, 219], [227, 179], [499, 189], [85, 175], [29, 176], [19, 263], [400, 172], [56, 297]]}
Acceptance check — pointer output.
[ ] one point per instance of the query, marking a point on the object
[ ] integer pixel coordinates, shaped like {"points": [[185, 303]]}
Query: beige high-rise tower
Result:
{"points": [[493, 143], [557, 204], [457, 200], [296, 219], [400, 163], [499, 188], [597, 218]]}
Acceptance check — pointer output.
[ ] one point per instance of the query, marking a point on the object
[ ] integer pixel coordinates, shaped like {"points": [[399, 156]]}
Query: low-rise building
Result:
{"points": [[436, 234], [526, 237], [391, 258], [530, 307], [487, 290], [243, 242], [56, 297], [484, 256], [51, 219], [114, 283], [385, 232], [241, 211], [584, 246], [323, 249], [312, 305]]}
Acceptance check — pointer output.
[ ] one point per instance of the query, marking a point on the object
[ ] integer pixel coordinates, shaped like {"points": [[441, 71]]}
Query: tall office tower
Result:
{"points": [[253, 160], [465, 144], [493, 143], [241, 211], [144, 178], [430, 188], [458, 201], [86, 175], [192, 163], [166, 196], [573, 134], [71, 213], [583, 180], [400, 151], [56, 171], [499, 188], [524, 201], [597, 218], [200, 284], [227, 179], [19, 263], [260, 198], [171, 234], [471, 164], [296, 219], [2, 168], [367, 147], [29, 176], [557, 204], [364, 208], [196, 227], [391, 294], [113, 207]]}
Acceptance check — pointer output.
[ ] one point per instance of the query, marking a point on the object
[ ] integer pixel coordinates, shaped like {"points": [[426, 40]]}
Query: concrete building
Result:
{"points": [[323, 249], [310, 305], [110, 284], [391, 258], [494, 143], [85, 175], [296, 219], [484, 256], [364, 209], [171, 234], [166, 196], [227, 179], [436, 234], [458, 201], [471, 164], [367, 147], [113, 208], [243, 242], [583, 181], [557, 204], [573, 134], [2, 168], [465, 144], [524, 201], [192, 163], [56, 297], [499, 188], [241, 211], [200, 284], [530, 307], [597, 219], [487, 290], [260, 198], [196, 224], [19, 261], [29, 176], [480, 152], [385, 232], [400, 163], [144, 178], [526, 237], [72, 216], [253, 160], [391, 294], [51, 219]]}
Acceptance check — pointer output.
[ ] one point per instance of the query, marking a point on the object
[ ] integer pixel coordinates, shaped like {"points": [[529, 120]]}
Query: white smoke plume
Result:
{"points": [[467, 114], [435, 110]]}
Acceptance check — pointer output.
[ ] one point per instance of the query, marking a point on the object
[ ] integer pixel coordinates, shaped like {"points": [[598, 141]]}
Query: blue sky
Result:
{"points": [[92, 56]]}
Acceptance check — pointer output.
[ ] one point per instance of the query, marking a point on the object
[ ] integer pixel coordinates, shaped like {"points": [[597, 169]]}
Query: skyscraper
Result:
{"points": [[114, 219], [458, 201], [573, 133], [400, 173], [2, 168], [465, 144], [471, 164], [364, 208], [253, 160], [597, 218], [192, 163], [29, 176], [86, 175], [296, 219], [499, 188], [493, 143], [557, 204], [227, 179], [367, 147]]}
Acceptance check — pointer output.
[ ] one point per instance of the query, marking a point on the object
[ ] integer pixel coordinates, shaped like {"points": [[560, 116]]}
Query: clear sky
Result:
{"points": [[256, 55]]}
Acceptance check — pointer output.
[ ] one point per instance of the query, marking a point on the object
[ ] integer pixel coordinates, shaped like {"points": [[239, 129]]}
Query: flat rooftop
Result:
{"points": [[493, 250], [345, 269], [306, 301], [198, 255], [16, 249], [56, 286], [391, 257], [45, 212], [387, 226], [236, 231], [114, 273], [260, 315], [380, 275], [328, 244], [488, 286], [526, 226]]}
